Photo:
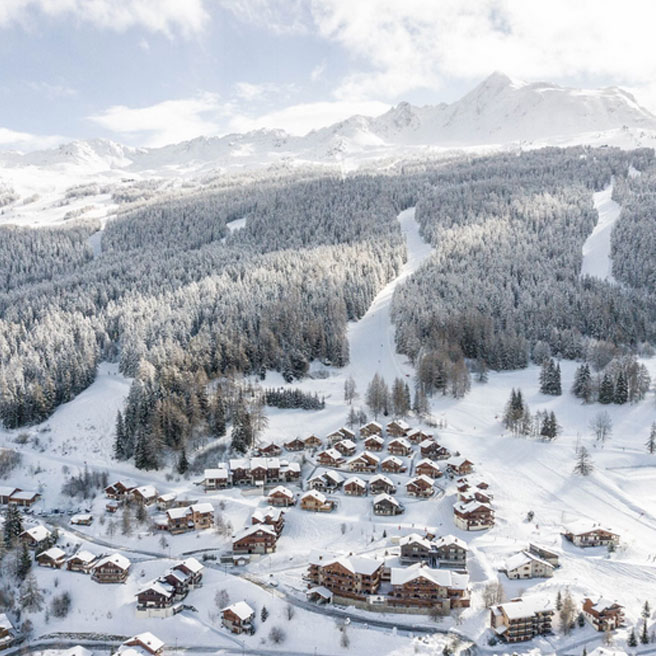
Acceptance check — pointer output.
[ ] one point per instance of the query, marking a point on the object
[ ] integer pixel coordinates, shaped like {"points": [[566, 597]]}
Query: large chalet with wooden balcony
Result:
{"points": [[193, 569], [420, 486], [315, 501], [202, 515], [525, 565], [53, 557], [423, 587], [392, 465], [355, 487], [120, 489], [374, 443], [399, 446], [217, 478], [262, 471], [144, 644], [381, 483], [281, 496], [35, 537], [24, 498], [6, 492], [258, 539], [604, 615], [294, 445], [397, 428], [146, 494], [426, 467], [111, 569], [238, 618], [325, 481], [354, 577], [446, 551], [586, 534], [331, 458], [156, 599], [273, 517], [459, 466], [371, 428], [340, 434], [433, 450], [385, 504], [546, 554], [346, 447], [520, 620], [473, 516], [313, 442], [415, 548], [470, 491], [269, 450], [178, 520], [417, 436], [82, 561], [364, 462]]}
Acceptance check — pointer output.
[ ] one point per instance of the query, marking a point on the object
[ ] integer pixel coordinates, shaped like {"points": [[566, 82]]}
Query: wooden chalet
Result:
{"points": [[313, 442], [473, 491], [393, 465], [294, 445], [331, 458], [546, 554], [258, 539], [217, 478], [271, 516], [53, 557], [156, 599], [238, 618], [269, 450], [400, 447], [364, 462], [325, 481], [112, 506], [281, 496], [374, 443], [24, 498], [416, 436], [167, 500], [144, 644], [193, 569], [449, 551], [346, 447], [6, 492], [433, 450], [426, 467], [82, 561], [423, 587], [354, 577], [202, 515], [315, 501], [9, 634], [35, 537], [415, 548], [420, 486], [178, 520], [380, 483], [355, 487], [520, 620], [120, 489], [385, 504], [82, 519], [397, 428], [371, 428], [459, 466], [111, 569], [584, 534], [473, 516], [604, 615], [146, 494], [525, 565]]}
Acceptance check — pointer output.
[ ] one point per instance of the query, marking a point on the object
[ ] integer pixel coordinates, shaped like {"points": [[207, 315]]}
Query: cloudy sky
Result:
{"points": [[151, 72]]}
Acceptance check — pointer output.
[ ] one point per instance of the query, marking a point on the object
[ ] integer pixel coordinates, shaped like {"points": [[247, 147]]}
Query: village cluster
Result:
{"points": [[421, 573]]}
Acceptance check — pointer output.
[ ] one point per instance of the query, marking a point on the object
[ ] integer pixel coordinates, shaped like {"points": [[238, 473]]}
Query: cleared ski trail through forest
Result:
{"points": [[371, 340], [597, 261]]}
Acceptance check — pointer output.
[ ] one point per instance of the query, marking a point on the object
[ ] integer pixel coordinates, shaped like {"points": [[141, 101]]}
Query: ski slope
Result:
{"points": [[597, 261]]}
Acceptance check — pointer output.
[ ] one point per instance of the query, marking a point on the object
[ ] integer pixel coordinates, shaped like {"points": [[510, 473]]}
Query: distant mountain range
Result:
{"points": [[498, 112]]}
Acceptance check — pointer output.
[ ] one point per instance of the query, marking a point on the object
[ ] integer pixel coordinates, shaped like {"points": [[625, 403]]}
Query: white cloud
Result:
{"points": [[166, 122], [24, 141], [166, 16]]}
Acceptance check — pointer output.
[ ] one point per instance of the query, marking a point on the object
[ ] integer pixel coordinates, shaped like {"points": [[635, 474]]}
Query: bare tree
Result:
{"points": [[349, 389], [602, 426], [277, 635], [221, 599], [493, 593], [567, 613]]}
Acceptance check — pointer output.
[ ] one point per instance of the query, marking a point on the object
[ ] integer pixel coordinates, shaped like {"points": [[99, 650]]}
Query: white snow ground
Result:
{"points": [[597, 261]]}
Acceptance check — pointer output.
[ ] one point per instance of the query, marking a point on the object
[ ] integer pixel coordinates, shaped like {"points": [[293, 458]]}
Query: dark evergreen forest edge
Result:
{"points": [[179, 301]]}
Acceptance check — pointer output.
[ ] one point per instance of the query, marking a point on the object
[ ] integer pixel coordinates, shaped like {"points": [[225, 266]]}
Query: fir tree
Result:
{"points": [[621, 393], [264, 614], [582, 387], [583, 466], [651, 441], [24, 563], [549, 427], [13, 525], [606, 390], [31, 597], [120, 441], [644, 635], [633, 641], [183, 463]]}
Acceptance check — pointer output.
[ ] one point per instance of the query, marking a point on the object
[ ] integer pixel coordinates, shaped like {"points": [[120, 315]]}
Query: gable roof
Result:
{"points": [[37, 533], [55, 553], [241, 609], [116, 559], [383, 496], [250, 530]]}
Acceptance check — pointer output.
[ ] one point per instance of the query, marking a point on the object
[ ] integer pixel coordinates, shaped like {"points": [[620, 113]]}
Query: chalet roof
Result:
{"points": [[427, 461], [519, 608], [366, 456], [401, 441], [177, 574], [443, 577], [415, 538], [159, 587], [54, 553], [582, 526], [169, 496], [603, 604], [394, 459], [346, 431], [84, 556], [82, 517], [422, 478], [127, 483], [346, 443], [7, 491], [400, 423], [523, 558], [375, 438], [314, 494], [281, 489], [238, 463], [458, 461], [539, 547], [470, 506], [373, 424], [356, 564], [261, 514], [115, 559], [324, 474], [241, 609], [24, 495], [355, 480], [381, 478], [384, 497], [250, 530], [148, 640], [37, 533], [290, 466], [191, 564], [321, 591], [203, 507], [265, 463], [147, 491], [429, 441], [446, 540], [5, 623], [332, 453], [215, 473], [178, 513]]}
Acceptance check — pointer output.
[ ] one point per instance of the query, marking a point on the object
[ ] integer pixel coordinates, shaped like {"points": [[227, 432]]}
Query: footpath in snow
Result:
{"points": [[371, 340], [596, 249]]}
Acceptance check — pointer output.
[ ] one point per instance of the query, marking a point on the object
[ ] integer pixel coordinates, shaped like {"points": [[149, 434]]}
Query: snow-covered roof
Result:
{"points": [[443, 577], [355, 480], [582, 526], [428, 461], [290, 466], [376, 438], [446, 540], [356, 564], [429, 441], [603, 604], [192, 565], [383, 496], [346, 443], [116, 559], [315, 494], [321, 591], [202, 508], [524, 558], [457, 461], [147, 491], [149, 640], [7, 491], [265, 463], [38, 533], [381, 478], [366, 456], [281, 489], [83, 517], [177, 513], [238, 463], [24, 495], [84, 556], [54, 553], [394, 459], [400, 423], [249, 530], [215, 473], [127, 483], [159, 587], [261, 514], [423, 479], [374, 424], [470, 506], [525, 607], [336, 477], [5, 622], [401, 441], [241, 609], [415, 538]]}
